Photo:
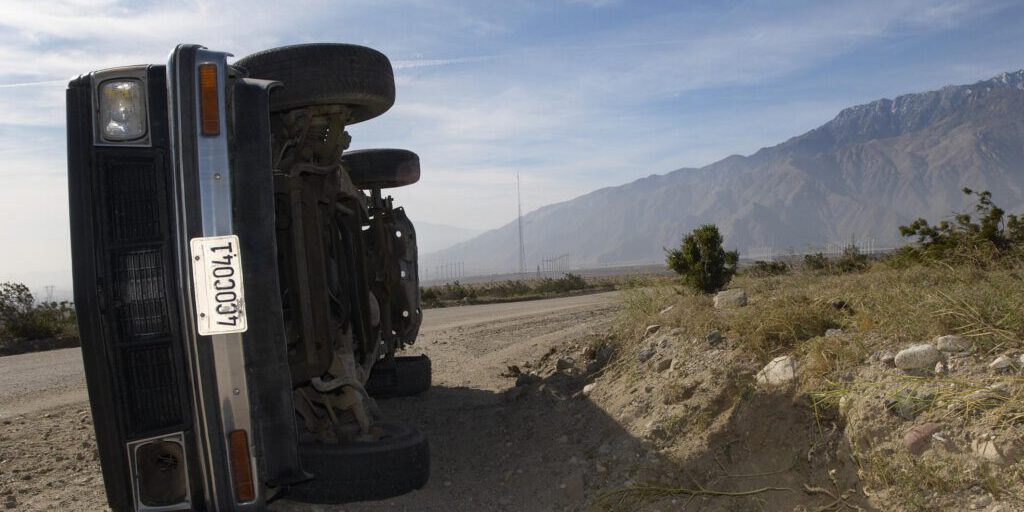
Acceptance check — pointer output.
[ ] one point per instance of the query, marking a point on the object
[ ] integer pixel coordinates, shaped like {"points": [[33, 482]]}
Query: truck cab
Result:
{"points": [[243, 284]]}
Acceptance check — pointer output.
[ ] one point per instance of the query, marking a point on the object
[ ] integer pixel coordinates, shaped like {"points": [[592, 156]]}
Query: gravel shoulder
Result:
{"points": [[489, 452]]}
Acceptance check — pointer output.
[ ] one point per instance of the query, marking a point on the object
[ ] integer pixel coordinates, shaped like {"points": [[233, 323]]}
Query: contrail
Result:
{"points": [[421, 63], [30, 84]]}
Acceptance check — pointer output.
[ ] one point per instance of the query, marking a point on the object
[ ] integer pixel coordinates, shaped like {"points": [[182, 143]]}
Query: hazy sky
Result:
{"points": [[574, 95]]}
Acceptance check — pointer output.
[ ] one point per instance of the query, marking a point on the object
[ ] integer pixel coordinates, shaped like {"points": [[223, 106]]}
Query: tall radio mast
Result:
{"points": [[522, 248]]}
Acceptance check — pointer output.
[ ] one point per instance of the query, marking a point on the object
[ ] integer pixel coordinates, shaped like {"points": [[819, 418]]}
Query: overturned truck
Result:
{"points": [[242, 282]]}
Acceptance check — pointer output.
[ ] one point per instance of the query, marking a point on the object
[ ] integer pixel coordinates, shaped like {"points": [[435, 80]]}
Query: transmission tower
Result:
{"points": [[522, 248]]}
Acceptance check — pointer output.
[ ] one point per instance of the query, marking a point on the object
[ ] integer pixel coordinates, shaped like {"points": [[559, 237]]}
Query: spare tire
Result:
{"points": [[358, 77], [396, 464], [382, 168]]}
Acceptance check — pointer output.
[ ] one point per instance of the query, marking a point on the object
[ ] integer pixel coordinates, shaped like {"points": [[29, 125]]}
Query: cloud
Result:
{"points": [[572, 96]]}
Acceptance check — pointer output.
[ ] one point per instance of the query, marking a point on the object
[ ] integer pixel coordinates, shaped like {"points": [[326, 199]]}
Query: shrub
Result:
{"points": [[15, 300], [769, 268], [702, 261], [852, 260], [816, 261], [993, 236], [22, 318], [566, 283]]}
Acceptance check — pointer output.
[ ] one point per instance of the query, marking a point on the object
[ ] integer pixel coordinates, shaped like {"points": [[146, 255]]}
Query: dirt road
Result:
{"points": [[488, 452]]}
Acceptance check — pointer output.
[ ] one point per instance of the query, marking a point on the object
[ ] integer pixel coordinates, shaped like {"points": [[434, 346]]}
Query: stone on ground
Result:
{"points": [[919, 437], [645, 354], [651, 329], [781, 370], [734, 298], [917, 357], [1001, 363], [987, 450], [714, 338], [952, 343], [663, 365]]}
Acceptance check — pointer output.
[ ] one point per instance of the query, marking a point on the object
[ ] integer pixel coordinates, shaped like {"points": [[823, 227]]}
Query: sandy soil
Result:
{"points": [[491, 449]]}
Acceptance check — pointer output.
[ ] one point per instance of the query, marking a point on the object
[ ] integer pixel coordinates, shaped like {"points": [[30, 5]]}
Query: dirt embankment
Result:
{"points": [[537, 406]]}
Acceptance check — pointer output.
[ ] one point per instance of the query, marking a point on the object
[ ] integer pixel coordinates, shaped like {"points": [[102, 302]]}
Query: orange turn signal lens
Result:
{"points": [[241, 469], [209, 110]]}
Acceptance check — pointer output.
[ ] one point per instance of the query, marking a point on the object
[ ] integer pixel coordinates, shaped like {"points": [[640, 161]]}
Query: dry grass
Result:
{"points": [[898, 305], [909, 480], [883, 308]]}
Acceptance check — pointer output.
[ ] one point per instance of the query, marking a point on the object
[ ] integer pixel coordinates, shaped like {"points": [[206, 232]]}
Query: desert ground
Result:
{"points": [[488, 452], [791, 393]]}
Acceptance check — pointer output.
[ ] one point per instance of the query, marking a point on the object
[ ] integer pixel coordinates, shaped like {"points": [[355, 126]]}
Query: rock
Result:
{"points": [[919, 437], [651, 329], [676, 331], [833, 332], [941, 367], [887, 359], [714, 338], [781, 370], [667, 310], [952, 343], [917, 357], [1001, 363], [987, 450], [10, 502], [734, 298], [589, 388], [663, 365], [564, 363], [674, 365], [645, 354], [845, 404]]}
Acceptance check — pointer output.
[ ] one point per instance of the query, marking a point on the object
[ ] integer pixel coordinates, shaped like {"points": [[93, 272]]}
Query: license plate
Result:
{"points": [[217, 276]]}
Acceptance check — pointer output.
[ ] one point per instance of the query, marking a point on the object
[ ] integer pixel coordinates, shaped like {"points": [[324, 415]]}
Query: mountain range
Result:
{"points": [[857, 177]]}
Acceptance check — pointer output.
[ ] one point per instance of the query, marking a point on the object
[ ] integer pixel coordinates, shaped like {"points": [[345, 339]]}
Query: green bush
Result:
{"points": [[769, 268], [702, 261], [566, 283], [993, 236], [852, 260], [816, 261], [22, 318]]}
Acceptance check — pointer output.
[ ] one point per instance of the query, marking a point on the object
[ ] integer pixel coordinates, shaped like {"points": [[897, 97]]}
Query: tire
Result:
{"points": [[397, 464], [382, 168], [326, 74], [409, 376]]}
